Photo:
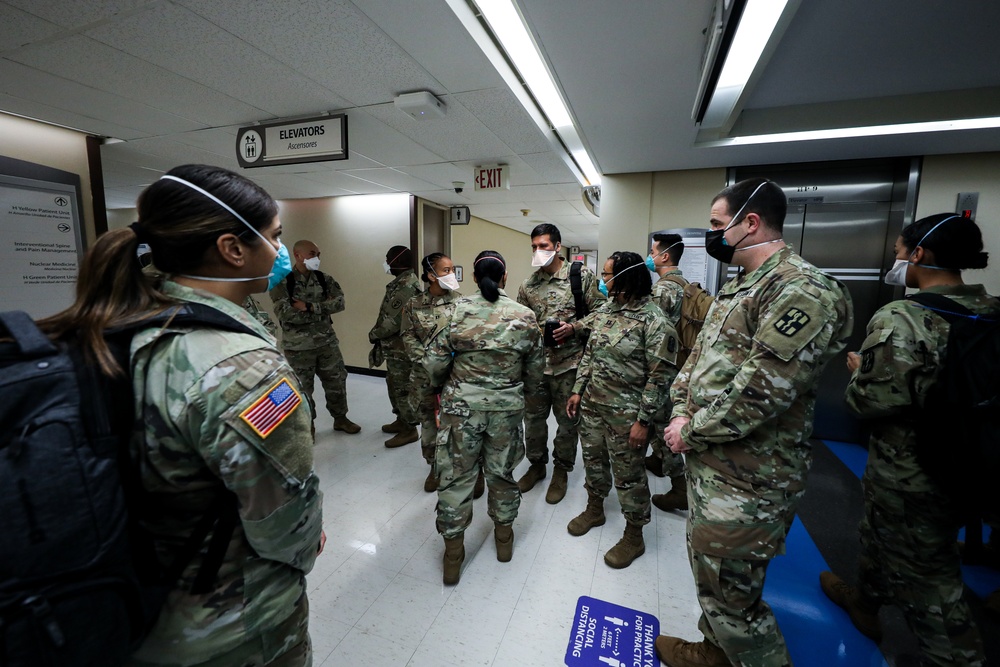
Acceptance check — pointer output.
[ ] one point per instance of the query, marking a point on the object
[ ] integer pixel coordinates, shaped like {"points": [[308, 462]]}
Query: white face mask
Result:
{"points": [[312, 263], [387, 268], [448, 281], [542, 257], [897, 274]]}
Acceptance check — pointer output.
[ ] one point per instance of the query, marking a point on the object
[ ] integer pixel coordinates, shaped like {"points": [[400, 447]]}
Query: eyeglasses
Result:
{"points": [[606, 273]]}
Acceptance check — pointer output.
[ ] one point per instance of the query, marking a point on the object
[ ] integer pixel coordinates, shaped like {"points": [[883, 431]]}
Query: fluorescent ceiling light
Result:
{"points": [[754, 34], [510, 30], [866, 131]]}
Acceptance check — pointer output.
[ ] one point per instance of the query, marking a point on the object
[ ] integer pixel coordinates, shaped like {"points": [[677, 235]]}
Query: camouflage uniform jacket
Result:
{"points": [[251, 306], [629, 360], [668, 294], [424, 316], [552, 297], [388, 326], [307, 330], [749, 385], [195, 393], [901, 358], [488, 358]]}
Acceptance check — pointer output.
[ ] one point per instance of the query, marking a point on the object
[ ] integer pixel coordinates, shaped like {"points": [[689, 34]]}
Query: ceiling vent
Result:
{"points": [[421, 105]]}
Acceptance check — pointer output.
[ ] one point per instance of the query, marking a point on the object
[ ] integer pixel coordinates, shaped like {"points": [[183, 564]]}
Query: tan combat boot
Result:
{"points": [[557, 487], [395, 426], [504, 538], [480, 488], [346, 425], [591, 517], [404, 437], [676, 652], [533, 475], [675, 499], [454, 556], [628, 548], [431, 483], [862, 610]]}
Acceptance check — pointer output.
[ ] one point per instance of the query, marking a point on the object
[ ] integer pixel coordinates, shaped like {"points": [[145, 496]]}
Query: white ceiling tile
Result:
{"points": [[384, 144], [18, 28], [442, 174], [550, 167], [503, 114], [79, 12], [390, 178]]}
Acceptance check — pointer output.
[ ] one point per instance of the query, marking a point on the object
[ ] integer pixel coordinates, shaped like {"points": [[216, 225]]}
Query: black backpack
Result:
{"points": [[576, 286], [958, 428], [80, 581]]}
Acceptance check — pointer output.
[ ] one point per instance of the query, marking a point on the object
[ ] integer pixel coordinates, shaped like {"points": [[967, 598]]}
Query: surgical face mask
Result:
{"points": [[542, 257], [387, 268], [282, 267], [447, 281], [897, 274], [602, 287], [312, 263], [649, 263], [278, 251]]}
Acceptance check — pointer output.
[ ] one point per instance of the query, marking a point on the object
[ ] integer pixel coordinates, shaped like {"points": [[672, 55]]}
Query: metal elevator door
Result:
{"points": [[844, 219]]}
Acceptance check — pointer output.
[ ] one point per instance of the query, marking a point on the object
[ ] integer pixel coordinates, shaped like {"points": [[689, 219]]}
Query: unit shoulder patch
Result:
{"points": [[793, 321]]}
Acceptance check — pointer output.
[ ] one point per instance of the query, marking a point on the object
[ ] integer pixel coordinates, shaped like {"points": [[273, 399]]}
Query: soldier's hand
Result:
{"points": [[563, 332], [571, 406], [672, 435], [299, 305], [638, 436], [853, 361]]}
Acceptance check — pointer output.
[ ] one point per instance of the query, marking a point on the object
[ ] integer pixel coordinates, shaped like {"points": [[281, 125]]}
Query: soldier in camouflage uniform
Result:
{"points": [[668, 294], [251, 306], [308, 340], [424, 316], [387, 332], [909, 554], [489, 362], [622, 380], [220, 421], [742, 412], [549, 294]]}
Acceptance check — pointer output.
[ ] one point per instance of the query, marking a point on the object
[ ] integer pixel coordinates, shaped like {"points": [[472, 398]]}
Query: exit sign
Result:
{"points": [[496, 177]]}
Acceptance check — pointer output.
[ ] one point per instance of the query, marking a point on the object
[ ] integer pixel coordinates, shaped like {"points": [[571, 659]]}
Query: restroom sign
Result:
{"points": [[307, 140], [604, 634], [495, 177]]}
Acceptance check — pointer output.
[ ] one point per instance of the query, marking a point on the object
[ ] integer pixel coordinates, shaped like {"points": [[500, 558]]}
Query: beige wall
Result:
{"points": [[353, 235], [943, 177], [467, 241], [54, 147]]}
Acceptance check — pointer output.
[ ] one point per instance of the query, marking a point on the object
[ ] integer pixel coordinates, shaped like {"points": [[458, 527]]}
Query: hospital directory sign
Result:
{"points": [[608, 635]]}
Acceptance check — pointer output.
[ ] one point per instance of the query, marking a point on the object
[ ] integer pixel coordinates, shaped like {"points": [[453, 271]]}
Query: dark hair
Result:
{"points": [[769, 202], [547, 229], [957, 244], [180, 225], [632, 284], [664, 241], [399, 258], [427, 265], [489, 269]]}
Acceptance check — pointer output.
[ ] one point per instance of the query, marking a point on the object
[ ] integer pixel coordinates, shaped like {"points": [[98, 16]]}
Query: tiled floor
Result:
{"points": [[376, 593]]}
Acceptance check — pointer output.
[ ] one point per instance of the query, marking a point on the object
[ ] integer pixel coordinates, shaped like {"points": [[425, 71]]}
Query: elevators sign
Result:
{"points": [[608, 635], [307, 140]]}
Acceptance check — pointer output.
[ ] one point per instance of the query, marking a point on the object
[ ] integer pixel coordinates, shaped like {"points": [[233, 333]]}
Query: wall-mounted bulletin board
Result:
{"points": [[41, 237]]}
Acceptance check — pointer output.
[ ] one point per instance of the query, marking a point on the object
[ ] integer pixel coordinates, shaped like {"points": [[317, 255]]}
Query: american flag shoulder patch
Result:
{"points": [[272, 408]]}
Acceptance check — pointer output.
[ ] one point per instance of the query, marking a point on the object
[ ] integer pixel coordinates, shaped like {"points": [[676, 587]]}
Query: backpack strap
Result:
{"points": [[322, 283], [947, 308], [30, 340], [290, 285], [576, 284]]}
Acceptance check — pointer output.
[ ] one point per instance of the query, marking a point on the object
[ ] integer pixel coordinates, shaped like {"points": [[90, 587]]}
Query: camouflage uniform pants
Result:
{"points": [[328, 363], [672, 464], [604, 437], [733, 531], [428, 427], [909, 557], [285, 645], [496, 436], [556, 392], [397, 378]]}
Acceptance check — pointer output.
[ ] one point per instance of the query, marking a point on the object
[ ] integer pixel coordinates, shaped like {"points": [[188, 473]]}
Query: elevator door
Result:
{"points": [[847, 241]]}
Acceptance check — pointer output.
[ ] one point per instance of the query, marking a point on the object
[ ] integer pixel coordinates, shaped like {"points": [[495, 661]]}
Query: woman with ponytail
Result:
{"points": [[909, 555], [221, 422], [489, 362]]}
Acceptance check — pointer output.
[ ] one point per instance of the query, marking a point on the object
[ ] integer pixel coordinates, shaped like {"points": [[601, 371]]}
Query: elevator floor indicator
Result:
{"points": [[608, 635]]}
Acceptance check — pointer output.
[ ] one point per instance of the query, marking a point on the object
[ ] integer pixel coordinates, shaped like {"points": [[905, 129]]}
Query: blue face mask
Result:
{"points": [[649, 263], [602, 287], [282, 267]]}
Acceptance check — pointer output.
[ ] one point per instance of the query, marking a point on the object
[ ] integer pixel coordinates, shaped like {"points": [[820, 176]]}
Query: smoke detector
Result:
{"points": [[421, 105]]}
